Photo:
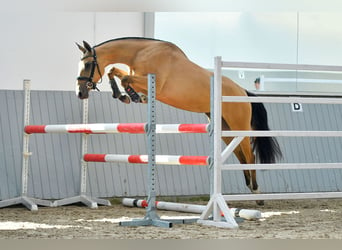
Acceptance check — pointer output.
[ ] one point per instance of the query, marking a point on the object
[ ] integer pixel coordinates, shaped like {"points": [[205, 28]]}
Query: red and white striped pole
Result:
{"points": [[111, 128], [247, 214], [143, 159], [96, 128]]}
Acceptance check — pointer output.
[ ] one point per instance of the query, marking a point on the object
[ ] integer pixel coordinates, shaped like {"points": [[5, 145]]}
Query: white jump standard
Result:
{"points": [[218, 200], [30, 202]]}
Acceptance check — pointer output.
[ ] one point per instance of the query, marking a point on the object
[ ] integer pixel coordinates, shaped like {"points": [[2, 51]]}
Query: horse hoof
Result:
{"points": [[136, 99], [260, 203], [143, 99], [125, 99]]}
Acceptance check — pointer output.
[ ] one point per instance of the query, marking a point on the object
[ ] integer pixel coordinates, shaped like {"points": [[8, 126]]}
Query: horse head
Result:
{"points": [[89, 72]]}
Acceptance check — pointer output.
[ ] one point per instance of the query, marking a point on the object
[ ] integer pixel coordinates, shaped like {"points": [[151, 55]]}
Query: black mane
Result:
{"points": [[139, 38], [128, 38]]}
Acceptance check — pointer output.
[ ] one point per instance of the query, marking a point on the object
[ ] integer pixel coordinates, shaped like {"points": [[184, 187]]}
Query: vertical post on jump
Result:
{"points": [[211, 137], [84, 149], [84, 165], [91, 202], [151, 217], [217, 204], [29, 202], [151, 213], [26, 153]]}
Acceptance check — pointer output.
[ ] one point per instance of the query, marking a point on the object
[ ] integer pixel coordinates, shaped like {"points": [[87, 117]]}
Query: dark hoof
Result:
{"points": [[135, 97], [260, 203], [125, 99], [136, 100], [143, 99]]}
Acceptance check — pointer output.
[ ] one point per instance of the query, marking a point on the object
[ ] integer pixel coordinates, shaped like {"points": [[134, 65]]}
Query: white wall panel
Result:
{"points": [[320, 38], [41, 45], [236, 36]]}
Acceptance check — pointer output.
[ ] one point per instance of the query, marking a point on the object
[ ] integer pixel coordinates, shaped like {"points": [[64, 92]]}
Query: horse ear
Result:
{"points": [[87, 46], [81, 48]]}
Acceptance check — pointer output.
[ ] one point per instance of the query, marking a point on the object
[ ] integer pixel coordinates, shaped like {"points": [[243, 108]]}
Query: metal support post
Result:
{"points": [[151, 218]]}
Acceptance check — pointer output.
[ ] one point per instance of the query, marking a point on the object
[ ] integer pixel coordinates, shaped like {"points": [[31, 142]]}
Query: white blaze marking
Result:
{"points": [[81, 67]]}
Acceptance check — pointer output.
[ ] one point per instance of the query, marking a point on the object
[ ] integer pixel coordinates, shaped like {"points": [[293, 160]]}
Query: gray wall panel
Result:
{"points": [[313, 117], [55, 163], [10, 143]]}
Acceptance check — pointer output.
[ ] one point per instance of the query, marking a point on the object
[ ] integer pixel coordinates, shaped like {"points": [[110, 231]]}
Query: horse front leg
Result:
{"points": [[126, 81], [115, 87]]}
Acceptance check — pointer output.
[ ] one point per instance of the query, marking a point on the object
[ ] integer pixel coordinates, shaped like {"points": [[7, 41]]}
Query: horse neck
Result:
{"points": [[118, 52]]}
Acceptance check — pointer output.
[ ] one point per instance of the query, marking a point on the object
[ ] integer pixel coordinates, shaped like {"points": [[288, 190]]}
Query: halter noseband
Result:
{"points": [[94, 64]]}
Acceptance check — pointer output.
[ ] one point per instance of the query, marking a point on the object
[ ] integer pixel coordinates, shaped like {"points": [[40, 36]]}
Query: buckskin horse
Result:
{"points": [[181, 84]]}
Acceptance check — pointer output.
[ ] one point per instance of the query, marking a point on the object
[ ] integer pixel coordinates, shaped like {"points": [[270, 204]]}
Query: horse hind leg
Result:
{"points": [[249, 156], [245, 155], [253, 185]]}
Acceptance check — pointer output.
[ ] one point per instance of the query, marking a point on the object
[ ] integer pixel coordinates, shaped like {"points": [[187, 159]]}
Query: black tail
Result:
{"points": [[267, 148]]}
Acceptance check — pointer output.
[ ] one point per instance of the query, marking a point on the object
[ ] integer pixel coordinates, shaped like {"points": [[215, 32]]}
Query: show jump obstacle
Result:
{"points": [[149, 128], [217, 205], [217, 199], [30, 202]]}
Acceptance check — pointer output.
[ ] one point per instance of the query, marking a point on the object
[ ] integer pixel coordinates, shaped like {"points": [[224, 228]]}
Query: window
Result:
{"points": [[279, 37]]}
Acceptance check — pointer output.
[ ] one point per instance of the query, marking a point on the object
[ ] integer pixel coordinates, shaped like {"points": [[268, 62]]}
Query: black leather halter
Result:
{"points": [[94, 65]]}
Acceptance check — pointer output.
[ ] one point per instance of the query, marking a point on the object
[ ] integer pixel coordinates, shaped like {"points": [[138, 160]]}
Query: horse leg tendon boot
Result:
{"points": [[115, 88], [132, 94]]}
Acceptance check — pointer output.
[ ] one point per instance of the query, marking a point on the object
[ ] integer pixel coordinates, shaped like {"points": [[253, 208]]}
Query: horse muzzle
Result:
{"points": [[83, 95], [82, 91], [85, 87]]}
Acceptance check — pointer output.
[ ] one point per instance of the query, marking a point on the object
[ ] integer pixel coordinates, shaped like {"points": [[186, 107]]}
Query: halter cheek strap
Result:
{"points": [[94, 65]]}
